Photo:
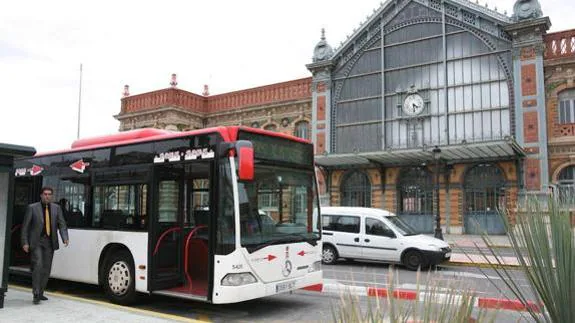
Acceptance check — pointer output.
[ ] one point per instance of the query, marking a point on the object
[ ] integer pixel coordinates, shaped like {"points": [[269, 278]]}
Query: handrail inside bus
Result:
{"points": [[187, 253], [162, 237]]}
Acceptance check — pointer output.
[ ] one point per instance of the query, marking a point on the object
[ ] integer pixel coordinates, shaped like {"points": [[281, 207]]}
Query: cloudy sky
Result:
{"points": [[228, 44]]}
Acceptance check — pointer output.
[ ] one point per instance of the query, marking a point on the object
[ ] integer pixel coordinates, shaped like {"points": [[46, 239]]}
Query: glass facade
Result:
{"points": [[460, 73]]}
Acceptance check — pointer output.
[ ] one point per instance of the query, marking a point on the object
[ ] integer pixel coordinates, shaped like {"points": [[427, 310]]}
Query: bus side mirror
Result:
{"points": [[245, 153]]}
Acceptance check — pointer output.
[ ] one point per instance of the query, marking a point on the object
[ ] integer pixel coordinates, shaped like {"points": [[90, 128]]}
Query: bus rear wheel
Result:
{"points": [[119, 279]]}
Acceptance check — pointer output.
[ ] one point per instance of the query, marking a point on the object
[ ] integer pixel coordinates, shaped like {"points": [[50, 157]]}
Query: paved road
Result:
{"points": [[485, 282], [301, 306]]}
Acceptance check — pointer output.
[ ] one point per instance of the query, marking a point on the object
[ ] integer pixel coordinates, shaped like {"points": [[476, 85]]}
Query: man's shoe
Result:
{"points": [[36, 300], [43, 298]]}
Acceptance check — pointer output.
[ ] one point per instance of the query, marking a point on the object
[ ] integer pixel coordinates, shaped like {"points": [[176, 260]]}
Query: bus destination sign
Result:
{"points": [[188, 154]]}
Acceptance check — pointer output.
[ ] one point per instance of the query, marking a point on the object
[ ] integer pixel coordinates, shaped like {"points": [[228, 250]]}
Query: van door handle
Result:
{"points": [[356, 239], [366, 240]]}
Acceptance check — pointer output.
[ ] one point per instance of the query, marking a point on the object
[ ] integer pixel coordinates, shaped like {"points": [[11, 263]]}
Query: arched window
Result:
{"points": [[356, 190], [567, 106], [415, 189], [484, 189], [302, 129], [484, 197], [271, 127], [415, 198], [566, 184]]}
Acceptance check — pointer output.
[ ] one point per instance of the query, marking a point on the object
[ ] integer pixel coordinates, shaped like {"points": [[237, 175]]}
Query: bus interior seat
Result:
{"points": [[113, 219], [76, 219]]}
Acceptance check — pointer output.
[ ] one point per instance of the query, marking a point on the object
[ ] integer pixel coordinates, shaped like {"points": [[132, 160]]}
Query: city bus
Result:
{"points": [[220, 215]]}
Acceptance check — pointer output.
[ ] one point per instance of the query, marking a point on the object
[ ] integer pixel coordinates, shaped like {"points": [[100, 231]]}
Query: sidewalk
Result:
{"points": [[59, 308], [472, 255], [474, 245], [463, 240]]}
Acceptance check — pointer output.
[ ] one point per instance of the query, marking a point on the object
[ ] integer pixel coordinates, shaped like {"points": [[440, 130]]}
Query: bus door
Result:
{"points": [[166, 229], [26, 191], [198, 222]]}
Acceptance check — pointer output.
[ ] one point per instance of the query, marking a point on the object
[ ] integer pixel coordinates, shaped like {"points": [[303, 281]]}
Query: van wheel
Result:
{"points": [[329, 255], [414, 260], [119, 280]]}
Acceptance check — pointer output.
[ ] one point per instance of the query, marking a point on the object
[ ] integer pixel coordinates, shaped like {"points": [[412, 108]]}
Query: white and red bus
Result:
{"points": [[220, 215]]}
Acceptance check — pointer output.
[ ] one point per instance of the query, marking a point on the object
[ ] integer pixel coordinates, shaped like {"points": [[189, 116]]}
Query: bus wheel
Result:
{"points": [[329, 255], [119, 279]]}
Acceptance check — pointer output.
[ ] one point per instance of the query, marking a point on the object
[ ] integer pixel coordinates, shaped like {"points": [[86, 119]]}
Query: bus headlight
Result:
{"points": [[316, 266], [238, 279]]}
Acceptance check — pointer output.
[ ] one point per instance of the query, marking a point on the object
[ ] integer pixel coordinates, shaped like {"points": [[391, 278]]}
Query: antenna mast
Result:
{"points": [[79, 103]]}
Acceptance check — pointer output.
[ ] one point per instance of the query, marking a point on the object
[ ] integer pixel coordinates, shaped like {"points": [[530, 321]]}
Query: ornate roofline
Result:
{"points": [[289, 91], [476, 8]]}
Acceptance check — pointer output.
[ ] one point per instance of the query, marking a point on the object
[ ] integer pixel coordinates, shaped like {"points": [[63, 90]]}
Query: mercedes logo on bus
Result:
{"points": [[286, 271]]}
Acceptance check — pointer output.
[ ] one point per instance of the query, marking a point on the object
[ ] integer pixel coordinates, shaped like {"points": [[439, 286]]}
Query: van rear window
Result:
{"points": [[340, 223]]}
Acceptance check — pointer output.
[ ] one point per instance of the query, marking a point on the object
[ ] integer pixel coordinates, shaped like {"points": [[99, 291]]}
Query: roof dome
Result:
{"points": [[322, 50]]}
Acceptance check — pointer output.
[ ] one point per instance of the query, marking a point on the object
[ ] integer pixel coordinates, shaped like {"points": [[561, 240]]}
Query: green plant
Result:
{"points": [[453, 303], [544, 243]]}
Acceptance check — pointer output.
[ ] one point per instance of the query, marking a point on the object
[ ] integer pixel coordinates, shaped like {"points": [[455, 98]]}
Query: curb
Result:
{"points": [[411, 295], [479, 265]]}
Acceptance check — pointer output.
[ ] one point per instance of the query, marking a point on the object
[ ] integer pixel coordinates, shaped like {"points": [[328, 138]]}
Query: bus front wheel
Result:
{"points": [[119, 279]]}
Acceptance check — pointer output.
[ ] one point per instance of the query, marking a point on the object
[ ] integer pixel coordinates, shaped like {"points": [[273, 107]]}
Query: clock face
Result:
{"points": [[413, 105]]}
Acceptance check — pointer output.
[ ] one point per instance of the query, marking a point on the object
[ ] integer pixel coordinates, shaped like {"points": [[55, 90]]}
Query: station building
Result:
{"points": [[429, 107]]}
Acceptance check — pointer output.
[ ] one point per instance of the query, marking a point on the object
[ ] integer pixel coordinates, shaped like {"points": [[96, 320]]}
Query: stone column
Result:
{"points": [[321, 108], [529, 88]]}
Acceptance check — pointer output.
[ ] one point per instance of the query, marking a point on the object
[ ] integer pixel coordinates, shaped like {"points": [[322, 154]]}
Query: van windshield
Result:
{"points": [[401, 226]]}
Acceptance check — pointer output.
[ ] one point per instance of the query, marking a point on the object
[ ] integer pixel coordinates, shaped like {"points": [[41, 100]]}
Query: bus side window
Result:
{"points": [[202, 217]]}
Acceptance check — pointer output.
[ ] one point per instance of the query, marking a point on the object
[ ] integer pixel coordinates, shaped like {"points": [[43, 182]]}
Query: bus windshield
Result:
{"points": [[277, 207]]}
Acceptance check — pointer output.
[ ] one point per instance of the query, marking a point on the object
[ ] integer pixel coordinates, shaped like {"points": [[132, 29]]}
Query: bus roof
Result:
{"points": [[229, 134]]}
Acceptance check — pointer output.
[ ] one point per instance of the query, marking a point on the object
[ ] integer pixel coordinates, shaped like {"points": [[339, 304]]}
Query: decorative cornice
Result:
{"points": [[125, 116], [560, 45], [270, 94], [273, 94]]}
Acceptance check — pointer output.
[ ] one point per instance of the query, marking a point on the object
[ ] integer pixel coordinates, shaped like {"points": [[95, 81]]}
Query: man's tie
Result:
{"points": [[47, 220]]}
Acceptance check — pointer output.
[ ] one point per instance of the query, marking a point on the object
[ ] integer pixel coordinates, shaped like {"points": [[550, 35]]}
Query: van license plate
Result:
{"points": [[282, 287]]}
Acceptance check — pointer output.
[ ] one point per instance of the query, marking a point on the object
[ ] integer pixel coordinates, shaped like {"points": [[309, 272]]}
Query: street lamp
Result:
{"points": [[437, 156], [280, 206]]}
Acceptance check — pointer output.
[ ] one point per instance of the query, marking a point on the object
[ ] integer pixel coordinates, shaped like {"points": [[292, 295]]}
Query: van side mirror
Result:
{"points": [[245, 153]]}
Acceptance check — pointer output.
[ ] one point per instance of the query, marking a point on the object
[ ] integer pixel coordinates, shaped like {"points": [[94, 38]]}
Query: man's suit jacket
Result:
{"points": [[34, 223]]}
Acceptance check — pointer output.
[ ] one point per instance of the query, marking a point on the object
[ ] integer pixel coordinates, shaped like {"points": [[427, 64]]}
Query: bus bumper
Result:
{"points": [[234, 294]]}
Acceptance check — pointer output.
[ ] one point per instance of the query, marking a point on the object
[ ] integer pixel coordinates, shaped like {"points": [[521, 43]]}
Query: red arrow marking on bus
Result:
{"points": [[301, 253], [79, 166], [35, 170], [271, 257]]}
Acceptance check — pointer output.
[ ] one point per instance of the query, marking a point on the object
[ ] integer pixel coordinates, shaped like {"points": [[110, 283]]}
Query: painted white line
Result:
{"points": [[470, 275]]}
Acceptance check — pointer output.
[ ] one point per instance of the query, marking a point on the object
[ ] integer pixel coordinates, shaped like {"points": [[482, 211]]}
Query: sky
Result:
{"points": [[228, 44]]}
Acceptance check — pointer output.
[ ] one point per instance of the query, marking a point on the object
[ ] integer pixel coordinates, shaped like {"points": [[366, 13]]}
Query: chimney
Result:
{"points": [[174, 81], [206, 90], [126, 91]]}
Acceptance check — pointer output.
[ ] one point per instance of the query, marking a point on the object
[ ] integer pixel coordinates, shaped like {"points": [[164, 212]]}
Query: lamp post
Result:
{"points": [[280, 206], [437, 156]]}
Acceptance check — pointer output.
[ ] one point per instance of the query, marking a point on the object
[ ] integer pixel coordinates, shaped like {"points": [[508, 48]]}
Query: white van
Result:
{"points": [[375, 234]]}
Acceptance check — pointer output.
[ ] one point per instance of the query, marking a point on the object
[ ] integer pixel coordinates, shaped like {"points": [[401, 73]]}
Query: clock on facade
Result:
{"points": [[413, 105]]}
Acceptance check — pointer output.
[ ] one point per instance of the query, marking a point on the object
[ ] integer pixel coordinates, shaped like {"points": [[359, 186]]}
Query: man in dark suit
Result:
{"points": [[39, 237]]}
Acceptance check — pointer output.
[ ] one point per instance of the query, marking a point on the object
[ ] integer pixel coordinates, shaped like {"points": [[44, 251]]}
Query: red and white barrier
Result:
{"points": [[439, 298]]}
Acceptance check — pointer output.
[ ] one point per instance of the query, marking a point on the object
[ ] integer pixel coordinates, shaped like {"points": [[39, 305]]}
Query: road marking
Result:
{"points": [[469, 275], [202, 319]]}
